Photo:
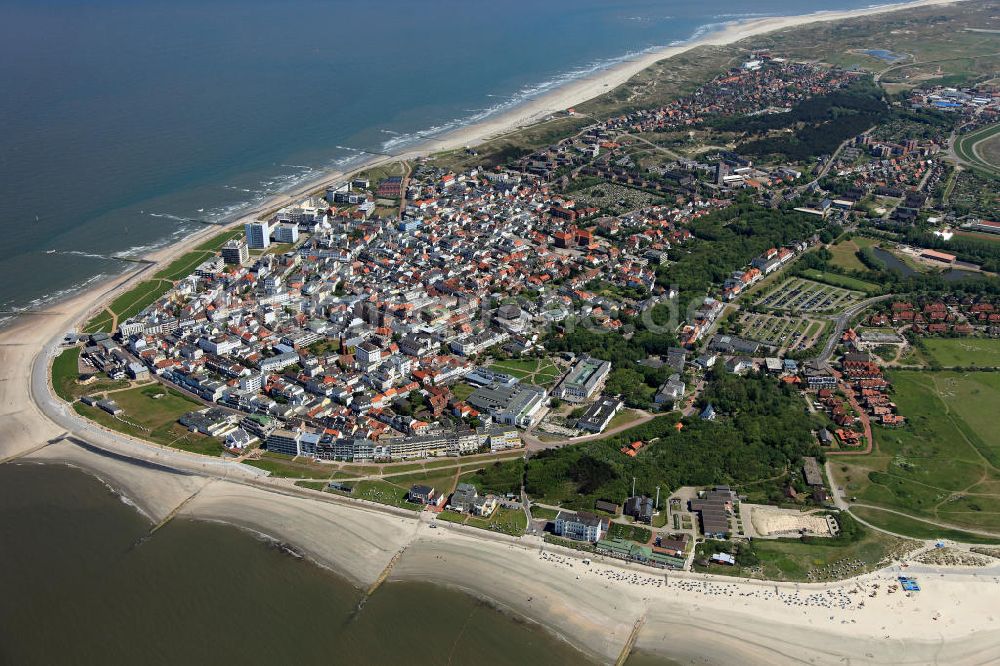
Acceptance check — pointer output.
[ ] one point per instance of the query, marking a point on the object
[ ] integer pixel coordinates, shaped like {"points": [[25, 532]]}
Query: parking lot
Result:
{"points": [[801, 295], [787, 333]]}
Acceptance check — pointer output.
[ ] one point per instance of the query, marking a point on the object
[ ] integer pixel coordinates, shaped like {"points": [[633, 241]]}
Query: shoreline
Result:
{"points": [[682, 620], [527, 112], [689, 617]]}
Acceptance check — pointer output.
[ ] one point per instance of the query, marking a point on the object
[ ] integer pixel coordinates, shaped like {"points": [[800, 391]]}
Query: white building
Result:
{"points": [[258, 234], [286, 233]]}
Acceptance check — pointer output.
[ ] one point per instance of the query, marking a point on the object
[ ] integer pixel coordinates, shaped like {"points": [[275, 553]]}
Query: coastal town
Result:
{"points": [[735, 347], [459, 318]]}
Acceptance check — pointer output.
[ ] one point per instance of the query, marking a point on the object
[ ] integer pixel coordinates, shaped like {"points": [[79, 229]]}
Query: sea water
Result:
{"points": [[127, 124]]}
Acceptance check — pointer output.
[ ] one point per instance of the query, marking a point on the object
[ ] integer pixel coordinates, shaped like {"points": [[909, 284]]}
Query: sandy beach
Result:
{"points": [[598, 608]]}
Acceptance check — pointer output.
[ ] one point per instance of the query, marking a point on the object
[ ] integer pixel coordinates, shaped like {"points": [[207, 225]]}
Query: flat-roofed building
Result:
{"points": [[235, 252], [584, 380], [714, 508], [514, 405], [599, 415], [258, 234], [284, 441]]}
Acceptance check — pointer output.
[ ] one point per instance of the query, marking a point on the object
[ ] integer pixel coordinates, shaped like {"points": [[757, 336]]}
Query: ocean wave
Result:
{"points": [[171, 216], [81, 253], [744, 16], [12, 310]]}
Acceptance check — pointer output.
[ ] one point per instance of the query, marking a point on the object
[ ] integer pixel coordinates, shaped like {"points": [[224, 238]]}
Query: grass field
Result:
{"points": [[542, 512], [129, 304], [214, 243], [534, 370], [287, 467], [101, 322], [139, 298], [65, 370], [963, 352], [462, 391], [154, 418], [944, 464], [629, 532], [505, 521], [788, 559], [623, 417], [845, 253], [183, 265], [384, 492], [443, 481], [916, 528], [977, 235], [838, 280]]}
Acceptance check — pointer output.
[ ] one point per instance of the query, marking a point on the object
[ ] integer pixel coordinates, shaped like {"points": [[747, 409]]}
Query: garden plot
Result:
{"points": [[801, 295]]}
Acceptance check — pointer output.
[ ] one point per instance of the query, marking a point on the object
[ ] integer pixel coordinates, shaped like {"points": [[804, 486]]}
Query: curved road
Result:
{"points": [[841, 325]]}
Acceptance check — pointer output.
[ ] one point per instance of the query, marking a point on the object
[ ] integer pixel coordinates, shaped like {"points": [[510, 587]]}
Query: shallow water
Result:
{"points": [[77, 589]]}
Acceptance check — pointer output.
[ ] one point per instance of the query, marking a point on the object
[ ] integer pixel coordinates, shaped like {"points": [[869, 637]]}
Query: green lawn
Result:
{"points": [[838, 280], [542, 512], [916, 528], [214, 243], [964, 352], [539, 371], [945, 463], [845, 253], [442, 481], [817, 559], [791, 559], [99, 323], [462, 391], [312, 485], [452, 516], [506, 521], [64, 374], [384, 493], [138, 298], [966, 144], [158, 425], [183, 266], [287, 467], [623, 417], [155, 404]]}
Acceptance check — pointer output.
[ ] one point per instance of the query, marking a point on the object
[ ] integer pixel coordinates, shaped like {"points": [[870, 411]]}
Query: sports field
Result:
{"points": [[981, 150]]}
